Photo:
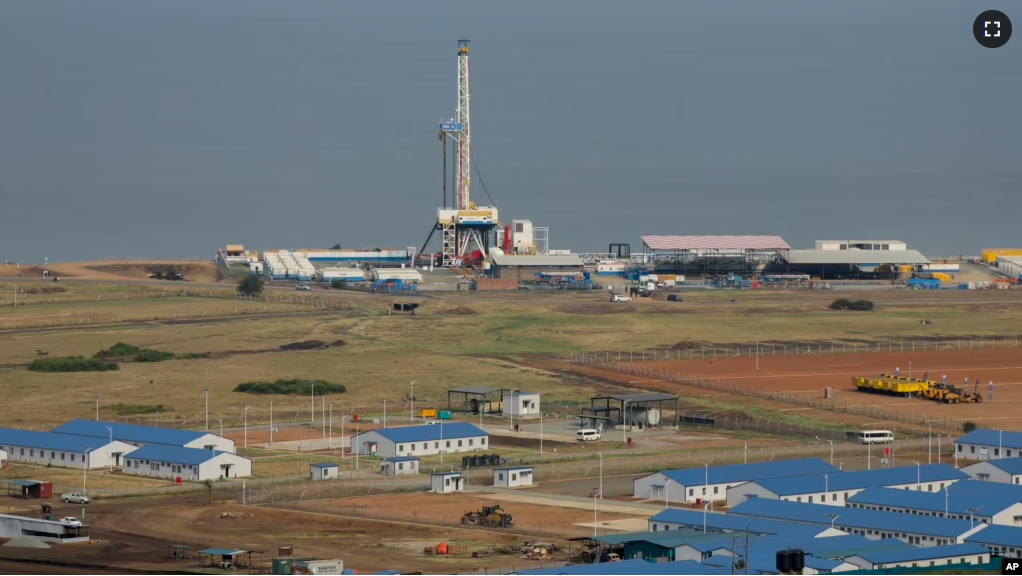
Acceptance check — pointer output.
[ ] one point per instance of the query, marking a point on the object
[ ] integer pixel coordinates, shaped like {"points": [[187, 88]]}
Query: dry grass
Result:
{"points": [[437, 350], [65, 479]]}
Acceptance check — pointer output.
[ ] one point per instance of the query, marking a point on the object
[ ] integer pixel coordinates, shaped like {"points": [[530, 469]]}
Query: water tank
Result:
{"points": [[642, 416], [783, 561], [798, 561]]}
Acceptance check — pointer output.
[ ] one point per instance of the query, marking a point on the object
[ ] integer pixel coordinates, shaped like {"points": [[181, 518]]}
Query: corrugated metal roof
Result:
{"points": [[723, 522], [988, 497], [222, 551], [833, 547], [727, 243], [401, 459], [750, 472], [985, 437], [856, 257], [23, 482], [1010, 465], [632, 568], [174, 454], [820, 514], [998, 535], [49, 441], [567, 261], [816, 484], [431, 433], [485, 390], [325, 465], [919, 554], [639, 397], [130, 432]]}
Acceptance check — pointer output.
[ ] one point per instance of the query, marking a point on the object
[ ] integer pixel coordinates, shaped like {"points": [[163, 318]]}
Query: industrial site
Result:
{"points": [[482, 402]]}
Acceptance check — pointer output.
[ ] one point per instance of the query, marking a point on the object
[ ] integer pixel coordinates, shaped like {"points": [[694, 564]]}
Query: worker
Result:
{"points": [[976, 389], [990, 390], [926, 376], [945, 379], [897, 372]]}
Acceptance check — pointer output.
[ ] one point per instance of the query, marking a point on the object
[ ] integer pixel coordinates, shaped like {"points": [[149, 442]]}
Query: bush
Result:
{"points": [[251, 286], [846, 304], [133, 409], [122, 350], [149, 355], [71, 364], [968, 427], [339, 284], [290, 387]]}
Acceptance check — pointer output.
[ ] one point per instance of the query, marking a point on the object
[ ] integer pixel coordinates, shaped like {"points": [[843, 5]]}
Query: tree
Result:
{"points": [[968, 427], [251, 286], [335, 247]]}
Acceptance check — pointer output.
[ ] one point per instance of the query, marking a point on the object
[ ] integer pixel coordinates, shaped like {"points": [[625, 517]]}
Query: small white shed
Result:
{"points": [[512, 477], [325, 471], [445, 482], [399, 466], [517, 404]]}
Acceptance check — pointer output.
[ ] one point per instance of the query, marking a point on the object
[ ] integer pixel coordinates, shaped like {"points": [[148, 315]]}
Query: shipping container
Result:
{"points": [[282, 566], [320, 566], [427, 413]]}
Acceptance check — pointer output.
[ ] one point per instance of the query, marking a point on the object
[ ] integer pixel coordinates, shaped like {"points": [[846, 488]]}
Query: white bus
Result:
{"points": [[871, 436]]}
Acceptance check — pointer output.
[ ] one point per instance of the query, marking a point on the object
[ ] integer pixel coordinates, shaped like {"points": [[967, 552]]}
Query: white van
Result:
{"points": [[874, 437], [587, 435]]}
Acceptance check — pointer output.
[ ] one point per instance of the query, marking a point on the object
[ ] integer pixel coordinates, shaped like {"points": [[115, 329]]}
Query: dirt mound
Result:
{"points": [[459, 311], [337, 343], [305, 345]]}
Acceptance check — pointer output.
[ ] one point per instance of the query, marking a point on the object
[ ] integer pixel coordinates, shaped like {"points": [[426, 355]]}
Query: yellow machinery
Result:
{"points": [[427, 413], [953, 395], [902, 386], [490, 516], [989, 255], [941, 276]]}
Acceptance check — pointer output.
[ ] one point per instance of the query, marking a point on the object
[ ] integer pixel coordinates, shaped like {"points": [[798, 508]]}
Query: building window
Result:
{"points": [[833, 497], [400, 465], [691, 492], [972, 449], [459, 443], [715, 489], [61, 455], [53, 455], [31, 453], [436, 445], [997, 451], [482, 441], [471, 441], [448, 443], [400, 447], [500, 476]]}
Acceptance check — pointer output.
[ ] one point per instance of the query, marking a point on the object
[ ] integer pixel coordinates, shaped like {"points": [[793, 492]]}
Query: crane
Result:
{"points": [[464, 226]]}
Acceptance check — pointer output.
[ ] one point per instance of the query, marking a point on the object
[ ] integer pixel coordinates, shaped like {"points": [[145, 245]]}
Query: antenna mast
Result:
{"points": [[465, 140]]}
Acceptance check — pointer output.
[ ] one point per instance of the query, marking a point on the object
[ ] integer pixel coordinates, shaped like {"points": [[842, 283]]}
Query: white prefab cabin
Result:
{"points": [[446, 482], [1006, 471], [324, 471], [986, 444], [186, 463], [421, 440], [47, 448], [399, 466], [515, 404], [513, 477]]}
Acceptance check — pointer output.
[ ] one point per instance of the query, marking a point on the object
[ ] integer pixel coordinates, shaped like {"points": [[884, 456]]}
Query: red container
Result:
{"points": [[178, 480], [45, 490]]}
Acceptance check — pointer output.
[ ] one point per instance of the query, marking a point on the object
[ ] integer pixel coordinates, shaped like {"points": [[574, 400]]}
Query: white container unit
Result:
{"points": [[350, 274], [410, 275]]}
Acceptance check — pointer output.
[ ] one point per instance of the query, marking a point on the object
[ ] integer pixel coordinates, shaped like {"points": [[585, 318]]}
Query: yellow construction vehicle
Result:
{"points": [[890, 384], [489, 516]]}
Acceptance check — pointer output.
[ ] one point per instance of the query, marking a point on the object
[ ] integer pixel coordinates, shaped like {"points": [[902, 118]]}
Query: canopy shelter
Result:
{"points": [[220, 557], [477, 393], [180, 551], [642, 409]]}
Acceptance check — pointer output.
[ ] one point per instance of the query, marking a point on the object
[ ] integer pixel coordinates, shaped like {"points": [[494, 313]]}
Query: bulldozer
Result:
{"points": [[489, 516], [952, 395]]}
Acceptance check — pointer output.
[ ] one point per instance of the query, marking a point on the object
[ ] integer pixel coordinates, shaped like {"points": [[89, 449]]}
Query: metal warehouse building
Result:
{"points": [[957, 554], [965, 500], [1002, 471], [1002, 540], [46, 530], [144, 435], [186, 463], [62, 449], [712, 483], [698, 520], [421, 440], [525, 267], [835, 489], [989, 445], [924, 531]]}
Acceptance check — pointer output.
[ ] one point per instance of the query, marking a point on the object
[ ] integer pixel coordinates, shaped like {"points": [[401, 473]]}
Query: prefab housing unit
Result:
{"points": [[958, 555], [973, 500], [985, 444], [711, 484], [407, 275], [187, 463], [1001, 540], [47, 448], [517, 404], [324, 471], [513, 477], [1003, 471], [399, 466], [421, 440], [347, 274], [145, 435], [445, 482]]}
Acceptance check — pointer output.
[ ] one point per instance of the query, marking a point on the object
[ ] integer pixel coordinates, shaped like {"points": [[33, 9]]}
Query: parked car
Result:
{"points": [[71, 521], [620, 298], [303, 287], [673, 298], [75, 498]]}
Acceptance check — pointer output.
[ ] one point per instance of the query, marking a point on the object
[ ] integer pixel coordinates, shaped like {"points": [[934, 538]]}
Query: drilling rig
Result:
{"points": [[466, 228]]}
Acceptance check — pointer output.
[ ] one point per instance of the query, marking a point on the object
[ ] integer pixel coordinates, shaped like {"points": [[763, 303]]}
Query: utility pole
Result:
{"points": [[98, 398], [312, 401], [207, 391]]}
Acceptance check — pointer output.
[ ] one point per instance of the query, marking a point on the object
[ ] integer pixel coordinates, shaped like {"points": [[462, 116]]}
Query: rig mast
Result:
{"points": [[466, 226]]}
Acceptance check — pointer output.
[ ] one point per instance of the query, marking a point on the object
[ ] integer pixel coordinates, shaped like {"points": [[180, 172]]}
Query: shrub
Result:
{"points": [[969, 426], [133, 409], [846, 304], [339, 284], [71, 364], [122, 350], [290, 387], [150, 355]]}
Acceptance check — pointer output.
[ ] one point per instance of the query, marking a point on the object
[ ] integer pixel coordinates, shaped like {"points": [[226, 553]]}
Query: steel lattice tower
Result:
{"points": [[462, 116]]}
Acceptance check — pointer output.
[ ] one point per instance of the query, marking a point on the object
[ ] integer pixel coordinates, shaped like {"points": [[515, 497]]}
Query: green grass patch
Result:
{"points": [[291, 387], [71, 364], [122, 350], [135, 409]]}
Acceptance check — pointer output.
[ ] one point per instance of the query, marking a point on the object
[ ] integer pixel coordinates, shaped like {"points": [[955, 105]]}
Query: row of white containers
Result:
{"points": [[284, 264], [406, 275]]}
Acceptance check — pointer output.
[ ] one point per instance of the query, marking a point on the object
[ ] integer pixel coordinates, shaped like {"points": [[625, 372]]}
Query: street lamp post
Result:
{"points": [[757, 350], [207, 390], [706, 505], [540, 431], [98, 398], [246, 425], [312, 401], [600, 454], [322, 415], [938, 447], [945, 501], [624, 421], [826, 487], [330, 438], [831, 452], [411, 398], [271, 425], [221, 421], [929, 443], [706, 479], [109, 466], [85, 466], [384, 413]]}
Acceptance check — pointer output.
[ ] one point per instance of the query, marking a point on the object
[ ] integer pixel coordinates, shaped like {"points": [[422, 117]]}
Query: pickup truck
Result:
{"points": [[620, 298], [75, 498], [71, 521]]}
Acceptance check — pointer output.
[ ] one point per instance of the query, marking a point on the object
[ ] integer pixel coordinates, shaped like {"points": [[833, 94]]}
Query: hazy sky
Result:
{"points": [[168, 128]]}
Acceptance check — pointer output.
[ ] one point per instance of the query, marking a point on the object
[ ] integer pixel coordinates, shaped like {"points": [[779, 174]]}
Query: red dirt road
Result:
{"points": [[813, 374]]}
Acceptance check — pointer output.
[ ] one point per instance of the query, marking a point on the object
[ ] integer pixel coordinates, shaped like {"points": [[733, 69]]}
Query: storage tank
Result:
{"points": [[642, 416]]}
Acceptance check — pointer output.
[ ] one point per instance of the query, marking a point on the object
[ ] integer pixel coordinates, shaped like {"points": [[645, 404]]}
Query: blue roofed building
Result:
{"points": [[765, 562], [144, 435], [962, 555], [1002, 471], [711, 483], [985, 444], [835, 489], [1001, 540], [696, 520], [875, 525], [630, 568], [47, 448], [966, 500], [193, 464], [421, 440]]}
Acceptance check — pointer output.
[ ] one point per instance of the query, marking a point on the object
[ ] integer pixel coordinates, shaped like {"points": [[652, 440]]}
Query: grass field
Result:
{"points": [[454, 341]]}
